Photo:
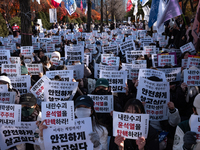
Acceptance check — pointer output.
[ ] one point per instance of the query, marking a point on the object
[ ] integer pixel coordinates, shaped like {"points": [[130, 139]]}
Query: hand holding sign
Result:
{"points": [[42, 127]]}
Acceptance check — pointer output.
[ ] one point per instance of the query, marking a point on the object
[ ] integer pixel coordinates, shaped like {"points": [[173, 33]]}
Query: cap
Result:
{"points": [[84, 100], [28, 99], [24, 70], [102, 82], [196, 103]]}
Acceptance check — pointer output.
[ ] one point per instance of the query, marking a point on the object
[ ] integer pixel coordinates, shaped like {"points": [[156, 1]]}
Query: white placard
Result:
{"points": [[154, 58], [195, 125], [146, 73], [192, 77], [78, 70], [34, 69], [3, 88], [49, 47], [74, 53], [156, 95], [26, 50], [193, 62], [72, 136], [15, 135], [127, 46], [10, 114], [184, 63], [58, 113], [99, 67], [7, 97], [149, 50], [14, 60], [166, 60], [189, 47], [59, 90], [38, 88], [103, 103], [56, 39], [108, 49], [66, 75], [117, 80], [132, 55], [130, 126], [172, 74], [12, 70], [4, 57], [53, 15], [21, 83]]}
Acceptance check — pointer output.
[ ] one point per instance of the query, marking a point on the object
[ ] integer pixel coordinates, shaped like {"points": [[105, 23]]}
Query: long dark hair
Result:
{"points": [[139, 108]]}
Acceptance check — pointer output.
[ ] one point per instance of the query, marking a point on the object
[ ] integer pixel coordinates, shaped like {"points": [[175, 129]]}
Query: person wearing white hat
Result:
{"points": [[184, 138], [6, 81]]}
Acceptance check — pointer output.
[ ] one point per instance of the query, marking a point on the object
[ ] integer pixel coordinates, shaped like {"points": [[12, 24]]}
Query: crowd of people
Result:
{"points": [[183, 102]]}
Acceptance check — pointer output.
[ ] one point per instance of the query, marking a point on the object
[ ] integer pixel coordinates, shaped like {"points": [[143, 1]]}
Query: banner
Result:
{"points": [[53, 15], [59, 90], [156, 96], [192, 77], [58, 113], [38, 88], [130, 126], [12, 70], [117, 80], [172, 74], [21, 83], [10, 114], [66, 75], [69, 137], [103, 103], [14, 135]]}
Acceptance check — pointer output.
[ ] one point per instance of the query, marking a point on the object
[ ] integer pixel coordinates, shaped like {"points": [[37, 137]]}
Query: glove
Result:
{"points": [[94, 138], [189, 140]]}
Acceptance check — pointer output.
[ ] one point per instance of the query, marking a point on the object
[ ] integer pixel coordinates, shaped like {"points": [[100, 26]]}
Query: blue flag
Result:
{"points": [[153, 12], [70, 6]]}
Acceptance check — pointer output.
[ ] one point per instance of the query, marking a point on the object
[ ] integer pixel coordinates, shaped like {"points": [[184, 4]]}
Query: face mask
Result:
{"points": [[102, 92], [27, 60], [78, 63], [27, 111], [82, 112], [55, 59]]}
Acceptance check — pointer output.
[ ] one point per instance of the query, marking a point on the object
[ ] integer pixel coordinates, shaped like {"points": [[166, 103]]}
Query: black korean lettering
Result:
{"points": [[54, 138], [9, 141], [6, 133], [16, 139]]}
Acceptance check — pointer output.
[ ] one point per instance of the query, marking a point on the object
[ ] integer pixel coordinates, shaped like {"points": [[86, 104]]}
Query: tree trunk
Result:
{"points": [[26, 30], [101, 15], [89, 16]]}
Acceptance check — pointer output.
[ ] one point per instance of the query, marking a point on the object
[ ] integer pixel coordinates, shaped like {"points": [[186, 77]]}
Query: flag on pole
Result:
{"points": [[129, 6], [144, 2], [135, 9], [167, 10], [86, 9], [70, 6], [56, 3], [153, 12], [81, 6]]}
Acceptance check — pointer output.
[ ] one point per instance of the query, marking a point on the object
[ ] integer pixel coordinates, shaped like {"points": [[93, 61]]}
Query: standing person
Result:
{"points": [[16, 30], [84, 107]]}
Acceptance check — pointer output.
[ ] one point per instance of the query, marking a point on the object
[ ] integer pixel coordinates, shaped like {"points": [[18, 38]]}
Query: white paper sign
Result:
{"points": [[146, 73], [14, 60], [10, 114], [166, 60], [4, 56], [189, 47], [14, 135], [108, 49], [117, 80], [58, 113], [195, 125], [38, 88], [103, 103], [12, 70], [172, 74], [74, 53], [184, 63], [156, 96], [127, 46], [26, 50], [66, 75], [50, 47], [78, 70], [69, 137], [34, 69], [132, 55], [130, 126], [192, 77], [149, 50], [193, 62], [21, 83], [53, 15], [7, 97], [59, 90]]}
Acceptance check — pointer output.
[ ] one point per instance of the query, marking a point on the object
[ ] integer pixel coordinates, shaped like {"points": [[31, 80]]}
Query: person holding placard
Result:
{"points": [[134, 106], [84, 107], [184, 138]]}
